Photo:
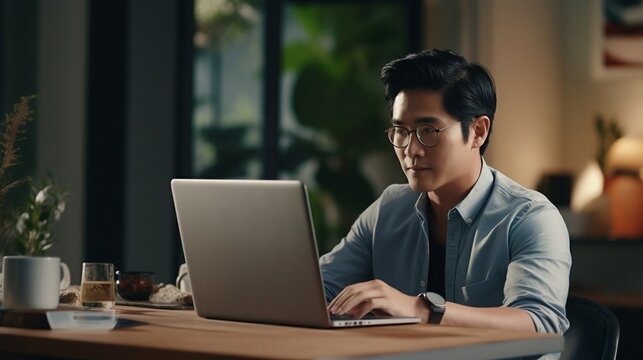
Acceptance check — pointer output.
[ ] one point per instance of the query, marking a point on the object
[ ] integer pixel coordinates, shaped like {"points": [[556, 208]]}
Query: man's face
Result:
{"points": [[432, 168]]}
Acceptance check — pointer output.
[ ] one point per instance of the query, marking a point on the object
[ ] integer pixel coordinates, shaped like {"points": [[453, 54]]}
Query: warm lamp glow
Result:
{"points": [[625, 155], [589, 186]]}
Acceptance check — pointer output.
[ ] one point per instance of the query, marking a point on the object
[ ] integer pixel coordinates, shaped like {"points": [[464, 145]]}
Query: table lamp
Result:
{"points": [[624, 188]]}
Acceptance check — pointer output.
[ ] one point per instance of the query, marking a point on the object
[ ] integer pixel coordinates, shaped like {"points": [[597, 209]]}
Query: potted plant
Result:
{"points": [[45, 205], [25, 228]]}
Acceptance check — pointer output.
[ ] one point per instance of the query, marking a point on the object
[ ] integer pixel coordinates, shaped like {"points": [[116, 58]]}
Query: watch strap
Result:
{"points": [[436, 311]]}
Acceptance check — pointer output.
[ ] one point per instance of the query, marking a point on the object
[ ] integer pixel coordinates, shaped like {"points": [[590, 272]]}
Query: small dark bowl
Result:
{"points": [[135, 285]]}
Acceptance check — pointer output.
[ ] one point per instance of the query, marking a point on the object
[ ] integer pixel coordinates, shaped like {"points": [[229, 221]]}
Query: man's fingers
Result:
{"points": [[342, 299], [369, 306], [350, 299], [357, 299], [346, 294]]}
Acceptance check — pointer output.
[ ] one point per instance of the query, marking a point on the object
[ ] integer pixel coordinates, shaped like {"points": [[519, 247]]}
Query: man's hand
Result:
{"points": [[359, 299]]}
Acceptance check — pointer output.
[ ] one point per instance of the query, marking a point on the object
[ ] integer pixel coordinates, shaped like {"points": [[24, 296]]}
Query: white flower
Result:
{"points": [[20, 225], [42, 195], [58, 211]]}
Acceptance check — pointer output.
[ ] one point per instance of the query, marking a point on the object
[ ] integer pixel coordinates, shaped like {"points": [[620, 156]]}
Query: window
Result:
{"points": [[226, 118], [314, 65]]}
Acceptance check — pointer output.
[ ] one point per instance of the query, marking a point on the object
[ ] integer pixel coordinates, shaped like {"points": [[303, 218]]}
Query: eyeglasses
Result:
{"points": [[426, 135]]}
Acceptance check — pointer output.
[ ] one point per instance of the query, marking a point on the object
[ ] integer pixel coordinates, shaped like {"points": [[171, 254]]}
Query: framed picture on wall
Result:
{"points": [[619, 45]]}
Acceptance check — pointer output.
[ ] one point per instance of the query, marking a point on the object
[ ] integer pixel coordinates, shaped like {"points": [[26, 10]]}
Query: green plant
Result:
{"points": [[232, 155], [25, 229], [608, 132], [219, 21], [12, 129], [33, 235], [338, 104]]}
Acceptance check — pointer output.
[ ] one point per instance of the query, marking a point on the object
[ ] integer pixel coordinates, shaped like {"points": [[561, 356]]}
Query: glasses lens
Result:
{"points": [[428, 135], [398, 136]]}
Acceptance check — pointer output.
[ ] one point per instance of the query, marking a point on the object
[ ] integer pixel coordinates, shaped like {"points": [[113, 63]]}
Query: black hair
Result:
{"points": [[467, 89]]}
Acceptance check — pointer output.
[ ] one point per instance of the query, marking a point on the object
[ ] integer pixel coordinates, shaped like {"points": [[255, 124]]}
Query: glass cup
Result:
{"points": [[97, 285]]}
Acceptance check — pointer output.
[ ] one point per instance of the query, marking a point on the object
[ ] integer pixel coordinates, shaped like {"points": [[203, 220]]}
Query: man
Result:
{"points": [[459, 230]]}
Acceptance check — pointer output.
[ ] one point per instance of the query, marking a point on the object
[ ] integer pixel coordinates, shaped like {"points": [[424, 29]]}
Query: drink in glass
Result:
{"points": [[97, 285]]}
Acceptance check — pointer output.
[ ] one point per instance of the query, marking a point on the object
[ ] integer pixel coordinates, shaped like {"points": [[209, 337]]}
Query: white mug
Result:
{"points": [[32, 282]]}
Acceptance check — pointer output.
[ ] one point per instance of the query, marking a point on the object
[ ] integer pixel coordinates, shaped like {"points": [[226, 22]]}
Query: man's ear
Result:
{"points": [[480, 130]]}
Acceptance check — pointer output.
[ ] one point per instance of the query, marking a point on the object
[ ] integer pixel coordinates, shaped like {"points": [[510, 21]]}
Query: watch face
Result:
{"points": [[435, 299]]}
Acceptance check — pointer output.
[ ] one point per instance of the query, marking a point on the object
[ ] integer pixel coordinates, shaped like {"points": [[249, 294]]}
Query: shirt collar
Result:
{"points": [[470, 206], [421, 206]]}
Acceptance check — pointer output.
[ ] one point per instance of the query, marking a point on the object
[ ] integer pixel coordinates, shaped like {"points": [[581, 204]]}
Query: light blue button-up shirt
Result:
{"points": [[506, 246]]}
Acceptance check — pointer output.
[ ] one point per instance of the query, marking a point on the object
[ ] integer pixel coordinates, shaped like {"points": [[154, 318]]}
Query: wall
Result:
{"points": [[542, 55], [19, 32], [61, 117], [588, 92], [520, 44]]}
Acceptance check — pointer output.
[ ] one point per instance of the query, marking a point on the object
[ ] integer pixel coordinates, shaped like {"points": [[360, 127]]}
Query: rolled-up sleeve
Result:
{"points": [[538, 273], [351, 260]]}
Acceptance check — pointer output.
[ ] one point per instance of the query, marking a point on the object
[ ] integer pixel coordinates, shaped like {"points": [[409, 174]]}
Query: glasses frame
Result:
{"points": [[417, 134]]}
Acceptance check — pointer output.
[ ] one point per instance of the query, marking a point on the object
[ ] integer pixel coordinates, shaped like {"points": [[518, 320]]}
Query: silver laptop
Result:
{"points": [[251, 253]]}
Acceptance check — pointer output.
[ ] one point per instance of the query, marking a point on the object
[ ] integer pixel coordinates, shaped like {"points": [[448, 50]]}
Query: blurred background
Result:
{"points": [[134, 93]]}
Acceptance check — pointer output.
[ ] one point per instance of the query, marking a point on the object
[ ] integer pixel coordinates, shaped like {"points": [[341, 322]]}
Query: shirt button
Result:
{"points": [[469, 221], [422, 283]]}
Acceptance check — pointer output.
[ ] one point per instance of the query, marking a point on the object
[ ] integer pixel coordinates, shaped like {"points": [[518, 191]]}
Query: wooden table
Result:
{"points": [[180, 334]]}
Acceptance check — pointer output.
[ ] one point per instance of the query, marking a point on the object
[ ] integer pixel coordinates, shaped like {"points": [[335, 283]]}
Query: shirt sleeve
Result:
{"points": [[351, 260], [538, 273]]}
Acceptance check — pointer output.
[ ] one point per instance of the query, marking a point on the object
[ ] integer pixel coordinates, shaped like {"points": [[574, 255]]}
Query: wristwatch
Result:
{"points": [[436, 304]]}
